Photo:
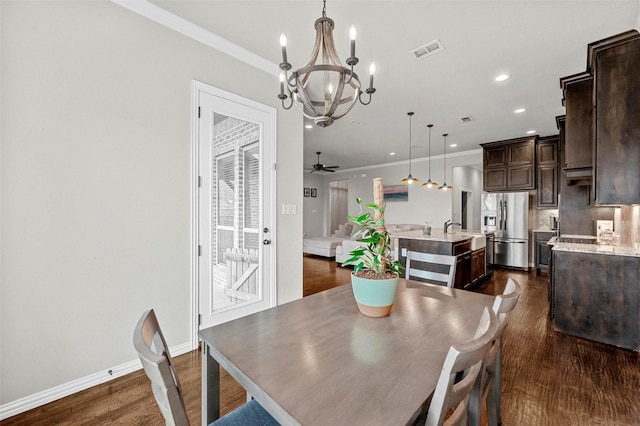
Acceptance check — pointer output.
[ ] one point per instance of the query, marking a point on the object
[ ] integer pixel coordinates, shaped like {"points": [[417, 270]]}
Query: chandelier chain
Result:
{"points": [[324, 8]]}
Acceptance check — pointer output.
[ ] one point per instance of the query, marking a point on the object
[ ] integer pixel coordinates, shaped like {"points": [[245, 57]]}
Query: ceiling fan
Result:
{"points": [[319, 167]]}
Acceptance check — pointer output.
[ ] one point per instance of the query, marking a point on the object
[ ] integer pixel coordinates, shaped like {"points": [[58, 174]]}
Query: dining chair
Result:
{"points": [[152, 349], [488, 385], [441, 269], [459, 373]]}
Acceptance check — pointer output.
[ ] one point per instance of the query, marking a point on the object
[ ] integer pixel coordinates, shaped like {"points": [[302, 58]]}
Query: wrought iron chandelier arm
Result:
{"points": [[369, 92], [283, 98]]}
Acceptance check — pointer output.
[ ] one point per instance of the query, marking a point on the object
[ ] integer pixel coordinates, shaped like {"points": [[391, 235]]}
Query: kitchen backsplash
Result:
{"points": [[627, 225], [539, 219]]}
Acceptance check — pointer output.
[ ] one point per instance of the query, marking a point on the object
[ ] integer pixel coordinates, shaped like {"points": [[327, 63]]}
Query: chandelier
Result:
{"points": [[322, 89]]}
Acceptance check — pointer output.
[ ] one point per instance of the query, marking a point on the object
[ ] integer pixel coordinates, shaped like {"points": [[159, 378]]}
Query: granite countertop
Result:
{"points": [[616, 250], [544, 230], [437, 234]]}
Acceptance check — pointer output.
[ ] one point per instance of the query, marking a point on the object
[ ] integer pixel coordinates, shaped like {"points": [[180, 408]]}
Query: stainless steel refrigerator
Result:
{"points": [[507, 213]]}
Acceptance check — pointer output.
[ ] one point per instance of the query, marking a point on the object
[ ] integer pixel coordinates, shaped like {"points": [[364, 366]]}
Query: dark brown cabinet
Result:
{"points": [[509, 165], [602, 130], [578, 138], [596, 297], [477, 265], [547, 164], [616, 68], [463, 270], [541, 248]]}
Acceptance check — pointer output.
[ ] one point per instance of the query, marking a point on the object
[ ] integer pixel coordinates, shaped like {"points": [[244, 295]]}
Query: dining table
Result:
{"points": [[319, 361]]}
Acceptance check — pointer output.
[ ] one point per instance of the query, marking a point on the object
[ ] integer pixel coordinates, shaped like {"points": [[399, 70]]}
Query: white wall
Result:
{"points": [[96, 185], [315, 209], [423, 205], [469, 179]]}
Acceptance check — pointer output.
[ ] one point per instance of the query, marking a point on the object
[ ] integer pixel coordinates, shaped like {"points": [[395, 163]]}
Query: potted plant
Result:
{"points": [[375, 274]]}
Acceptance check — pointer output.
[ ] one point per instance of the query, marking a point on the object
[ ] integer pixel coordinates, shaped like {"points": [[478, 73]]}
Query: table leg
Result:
{"points": [[210, 386]]}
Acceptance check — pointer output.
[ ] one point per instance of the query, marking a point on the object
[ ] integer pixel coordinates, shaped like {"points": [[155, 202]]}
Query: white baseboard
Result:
{"points": [[44, 397]]}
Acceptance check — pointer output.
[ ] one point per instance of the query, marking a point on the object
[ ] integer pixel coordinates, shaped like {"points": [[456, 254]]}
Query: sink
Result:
{"points": [[478, 242]]}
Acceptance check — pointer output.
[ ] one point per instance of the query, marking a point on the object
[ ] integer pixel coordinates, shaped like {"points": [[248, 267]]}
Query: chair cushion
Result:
{"points": [[249, 414]]}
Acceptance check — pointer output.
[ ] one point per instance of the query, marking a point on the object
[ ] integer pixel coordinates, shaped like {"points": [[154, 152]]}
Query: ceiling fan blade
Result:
{"points": [[331, 167], [329, 170]]}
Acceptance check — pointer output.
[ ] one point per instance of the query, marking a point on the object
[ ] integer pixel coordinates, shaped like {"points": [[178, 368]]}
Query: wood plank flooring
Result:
{"points": [[548, 378]]}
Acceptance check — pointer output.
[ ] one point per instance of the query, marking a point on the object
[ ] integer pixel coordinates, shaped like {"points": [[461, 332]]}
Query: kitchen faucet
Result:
{"points": [[449, 223]]}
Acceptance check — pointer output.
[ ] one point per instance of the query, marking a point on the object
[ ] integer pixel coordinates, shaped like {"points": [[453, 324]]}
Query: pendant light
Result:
{"points": [[444, 186], [429, 184], [410, 179]]}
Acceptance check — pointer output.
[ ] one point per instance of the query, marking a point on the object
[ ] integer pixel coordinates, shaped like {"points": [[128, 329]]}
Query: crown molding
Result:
{"points": [[186, 28]]}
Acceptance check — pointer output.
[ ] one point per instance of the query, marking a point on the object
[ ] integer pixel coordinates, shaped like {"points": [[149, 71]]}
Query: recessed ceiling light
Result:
{"points": [[392, 153], [530, 132], [520, 110], [453, 145], [503, 77], [308, 126]]}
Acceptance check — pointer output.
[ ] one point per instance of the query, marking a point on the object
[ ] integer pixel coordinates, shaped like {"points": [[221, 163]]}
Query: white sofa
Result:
{"points": [[347, 246], [322, 246]]}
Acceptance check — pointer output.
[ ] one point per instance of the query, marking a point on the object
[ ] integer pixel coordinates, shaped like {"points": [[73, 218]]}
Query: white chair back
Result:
{"points": [[156, 361], [434, 268], [463, 363]]}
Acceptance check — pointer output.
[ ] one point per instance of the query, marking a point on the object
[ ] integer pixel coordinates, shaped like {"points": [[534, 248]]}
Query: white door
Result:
{"points": [[236, 199]]}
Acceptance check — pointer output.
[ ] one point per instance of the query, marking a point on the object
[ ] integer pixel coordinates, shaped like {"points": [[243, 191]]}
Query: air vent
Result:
{"points": [[467, 119], [428, 49]]}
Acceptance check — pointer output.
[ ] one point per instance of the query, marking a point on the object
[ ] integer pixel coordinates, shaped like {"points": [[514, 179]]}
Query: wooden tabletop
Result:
{"points": [[318, 361]]}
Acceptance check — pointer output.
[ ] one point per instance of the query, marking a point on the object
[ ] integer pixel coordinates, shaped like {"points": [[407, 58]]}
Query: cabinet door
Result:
{"points": [[520, 177], [579, 124], [617, 125], [477, 265], [547, 179], [482, 262], [495, 157], [547, 152], [495, 179], [520, 154], [547, 186], [463, 270]]}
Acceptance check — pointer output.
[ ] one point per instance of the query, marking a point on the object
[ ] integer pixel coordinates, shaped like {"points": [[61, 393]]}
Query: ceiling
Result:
{"points": [[536, 42]]}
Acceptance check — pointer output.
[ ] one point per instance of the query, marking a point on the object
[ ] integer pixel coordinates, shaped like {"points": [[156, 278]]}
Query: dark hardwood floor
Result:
{"points": [[548, 378]]}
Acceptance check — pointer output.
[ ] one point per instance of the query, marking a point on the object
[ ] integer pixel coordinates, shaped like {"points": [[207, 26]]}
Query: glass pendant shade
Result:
{"points": [[444, 186], [410, 179], [429, 184]]}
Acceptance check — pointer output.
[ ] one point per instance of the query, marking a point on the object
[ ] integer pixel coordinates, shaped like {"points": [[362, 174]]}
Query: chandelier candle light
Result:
{"points": [[323, 90], [444, 186], [429, 184], [410, 179]]}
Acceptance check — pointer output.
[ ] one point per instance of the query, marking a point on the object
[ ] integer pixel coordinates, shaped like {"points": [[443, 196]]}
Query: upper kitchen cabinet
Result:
{"points": [[509, 165], [578, 138], [547, 161], [615, 64]]}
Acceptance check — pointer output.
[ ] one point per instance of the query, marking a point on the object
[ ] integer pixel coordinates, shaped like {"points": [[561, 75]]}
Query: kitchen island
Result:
{"points": [[467, 245], [595, 292]]}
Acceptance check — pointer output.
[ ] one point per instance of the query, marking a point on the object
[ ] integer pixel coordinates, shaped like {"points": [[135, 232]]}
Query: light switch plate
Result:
{"points": [[289, 209]]}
